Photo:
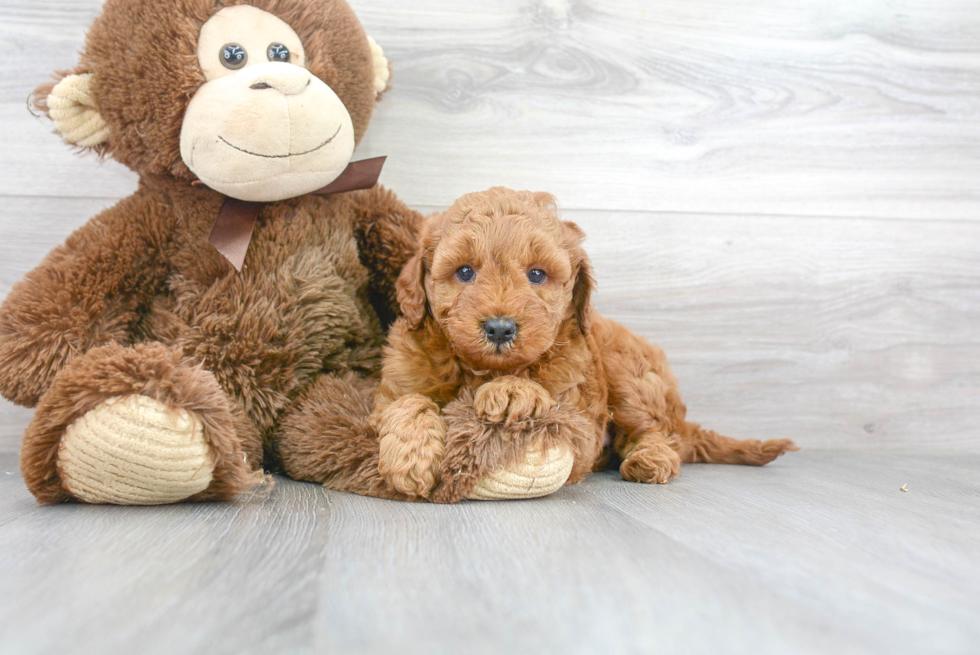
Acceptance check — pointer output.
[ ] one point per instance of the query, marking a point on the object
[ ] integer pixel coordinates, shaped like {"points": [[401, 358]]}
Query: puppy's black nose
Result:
{"points": [[499, 330]]}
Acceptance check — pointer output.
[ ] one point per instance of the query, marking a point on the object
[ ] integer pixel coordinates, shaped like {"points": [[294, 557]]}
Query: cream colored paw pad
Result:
{"points": [[538, 475], [134, 450]]}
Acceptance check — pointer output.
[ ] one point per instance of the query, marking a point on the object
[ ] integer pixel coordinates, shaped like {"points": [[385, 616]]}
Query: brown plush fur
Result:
{"points": [[566, 377], [138, 301], [325, 436], [150, 370]]}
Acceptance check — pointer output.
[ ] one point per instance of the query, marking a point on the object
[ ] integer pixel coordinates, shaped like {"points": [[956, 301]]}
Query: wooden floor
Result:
{"points": [[818, 553], [785, 195]]}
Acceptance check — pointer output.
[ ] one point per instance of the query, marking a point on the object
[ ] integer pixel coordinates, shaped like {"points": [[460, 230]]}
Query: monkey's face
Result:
{"points": [[262, 127], [259, 99]]}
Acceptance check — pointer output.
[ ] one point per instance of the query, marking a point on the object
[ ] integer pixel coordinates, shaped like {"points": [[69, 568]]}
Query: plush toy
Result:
{"points": [[498, 353], [229, 314]]}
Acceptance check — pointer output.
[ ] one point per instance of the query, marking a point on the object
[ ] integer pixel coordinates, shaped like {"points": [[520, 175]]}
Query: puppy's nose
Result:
{"points": [[499, 330]]}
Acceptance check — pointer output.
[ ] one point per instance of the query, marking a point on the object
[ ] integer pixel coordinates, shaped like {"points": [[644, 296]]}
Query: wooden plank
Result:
{"points": [[839, 333], [725, 159], [842, 333], [781, 108], [818, 552], [121, 574]]}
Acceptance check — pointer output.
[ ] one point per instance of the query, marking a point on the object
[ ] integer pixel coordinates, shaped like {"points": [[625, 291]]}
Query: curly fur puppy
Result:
{"points": [[498, 349]]}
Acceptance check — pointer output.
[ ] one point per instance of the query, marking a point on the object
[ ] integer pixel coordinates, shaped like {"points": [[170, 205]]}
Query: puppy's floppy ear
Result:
{"points": [[410, 289], [582, 294], [583, 274], [410, 285], [547, 202]]}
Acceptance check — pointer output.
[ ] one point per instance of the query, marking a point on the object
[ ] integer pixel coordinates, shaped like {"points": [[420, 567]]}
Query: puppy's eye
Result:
{"points": [[233, 56], [536, 276], [465, 274]]}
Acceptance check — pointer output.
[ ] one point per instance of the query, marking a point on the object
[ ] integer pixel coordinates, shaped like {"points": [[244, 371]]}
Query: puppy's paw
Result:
{"points": [[651, 462], [413, 443], [510, 399]]}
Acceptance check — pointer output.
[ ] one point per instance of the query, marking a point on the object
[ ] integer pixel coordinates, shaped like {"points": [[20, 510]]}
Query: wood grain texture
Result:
{"points": [[818, 552], [841, 333], [782, 194], [772, 107]]}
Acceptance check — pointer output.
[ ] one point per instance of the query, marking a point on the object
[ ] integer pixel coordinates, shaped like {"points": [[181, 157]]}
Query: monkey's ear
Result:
{"points": [[382, 72], [71, 105]]}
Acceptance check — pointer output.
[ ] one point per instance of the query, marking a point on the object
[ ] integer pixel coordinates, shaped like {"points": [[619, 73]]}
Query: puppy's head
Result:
{"points": [[500, 275]]}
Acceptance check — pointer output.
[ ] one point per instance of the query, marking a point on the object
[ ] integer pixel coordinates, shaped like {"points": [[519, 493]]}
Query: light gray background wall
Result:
{"points": [[783, 194]]}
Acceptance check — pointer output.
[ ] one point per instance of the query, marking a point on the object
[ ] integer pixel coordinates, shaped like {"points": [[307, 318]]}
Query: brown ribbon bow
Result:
{"points": [[232, 230]]}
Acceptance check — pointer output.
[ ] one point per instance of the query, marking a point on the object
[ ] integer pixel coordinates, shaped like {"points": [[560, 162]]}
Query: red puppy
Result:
{"points": [[498, 350]]}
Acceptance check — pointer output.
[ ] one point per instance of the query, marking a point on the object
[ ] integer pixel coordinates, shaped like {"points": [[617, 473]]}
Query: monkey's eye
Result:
{"points": [[536, 276], [465, 274], [278, 52], [233, 56]]}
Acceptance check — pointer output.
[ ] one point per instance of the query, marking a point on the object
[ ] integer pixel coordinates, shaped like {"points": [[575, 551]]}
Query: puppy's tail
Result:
{"points": [[709, 446]]}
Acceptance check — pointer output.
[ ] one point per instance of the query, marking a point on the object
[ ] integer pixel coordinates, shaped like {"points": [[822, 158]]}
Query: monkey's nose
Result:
{"points": [[285, 78], [499, 330]]}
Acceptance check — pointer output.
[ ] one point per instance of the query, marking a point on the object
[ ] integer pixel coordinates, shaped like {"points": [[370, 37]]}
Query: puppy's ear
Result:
{"points": [[547, 202], [582, 294], [583, 274], [410, 289], [410, 285]]}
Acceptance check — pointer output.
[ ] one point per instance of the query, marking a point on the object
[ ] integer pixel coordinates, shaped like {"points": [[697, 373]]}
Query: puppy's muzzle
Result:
{"points": [[499, 331]]}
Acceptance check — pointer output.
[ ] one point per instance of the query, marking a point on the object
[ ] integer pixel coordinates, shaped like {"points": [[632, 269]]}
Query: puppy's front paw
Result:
{"points": [[651, 462], [510, 399], [413, 443]]}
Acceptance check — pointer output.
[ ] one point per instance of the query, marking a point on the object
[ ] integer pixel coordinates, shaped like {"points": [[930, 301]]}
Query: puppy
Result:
{"points": [[498, 351]]}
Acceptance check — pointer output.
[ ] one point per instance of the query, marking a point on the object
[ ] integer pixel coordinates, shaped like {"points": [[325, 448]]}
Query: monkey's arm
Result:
{"points": [[85, 293], [387, 236]]}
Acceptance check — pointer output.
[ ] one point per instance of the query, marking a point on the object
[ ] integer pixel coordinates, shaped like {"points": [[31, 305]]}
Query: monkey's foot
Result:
{"points": [[134, 450], [539, 474]]}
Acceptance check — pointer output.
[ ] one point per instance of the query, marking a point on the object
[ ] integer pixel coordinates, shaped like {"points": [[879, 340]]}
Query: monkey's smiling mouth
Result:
{"points": [[290, 154]]}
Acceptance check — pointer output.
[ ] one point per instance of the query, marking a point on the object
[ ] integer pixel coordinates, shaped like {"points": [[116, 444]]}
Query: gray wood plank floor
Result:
{"points": [[818, 553], [782, 194]]}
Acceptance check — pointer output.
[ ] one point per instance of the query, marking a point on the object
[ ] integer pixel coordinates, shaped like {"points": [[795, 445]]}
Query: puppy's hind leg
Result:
{"points": [[653, 435], [647, 413]]}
